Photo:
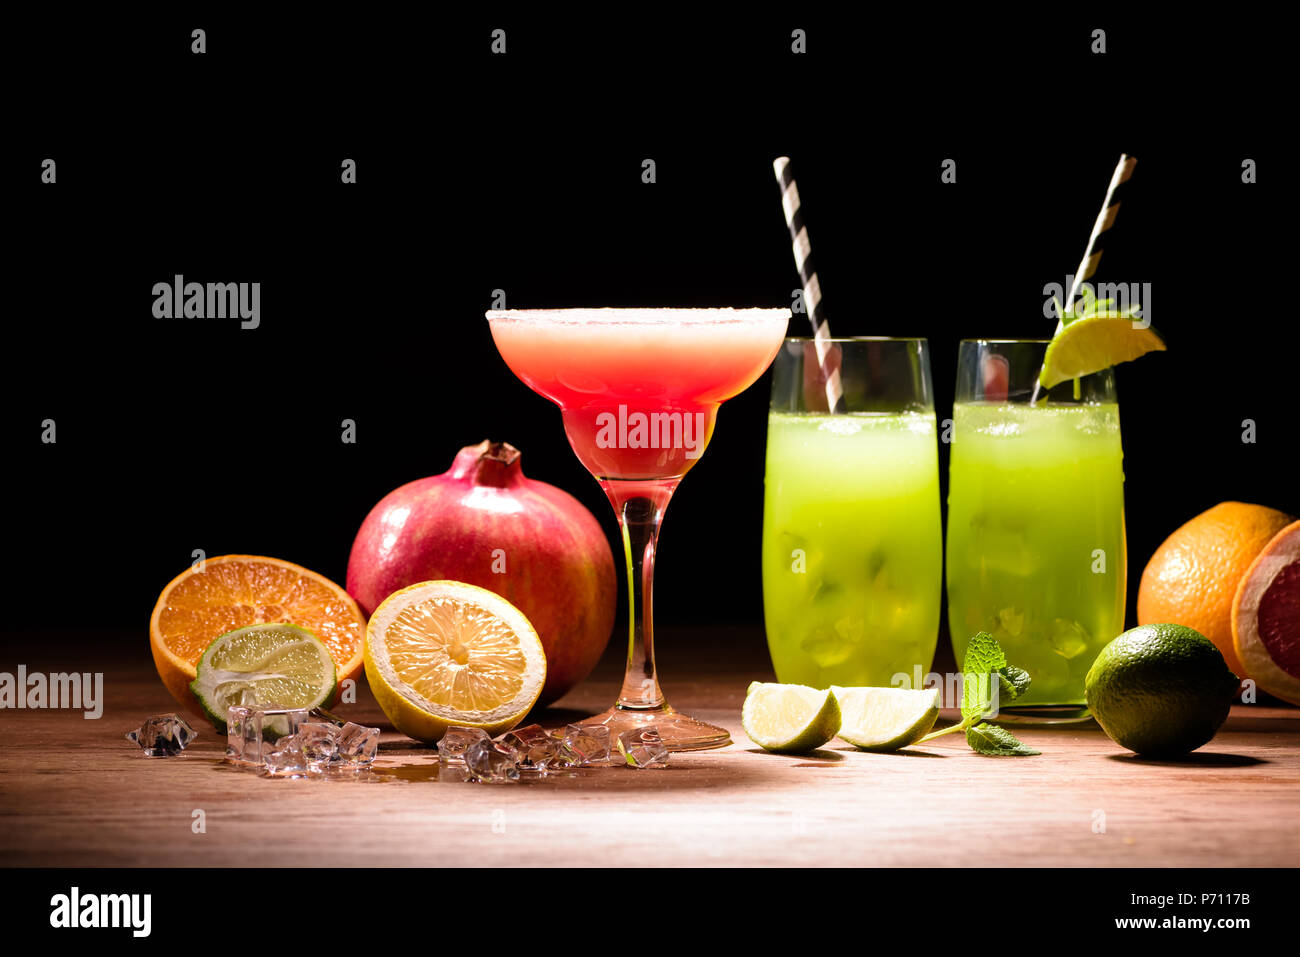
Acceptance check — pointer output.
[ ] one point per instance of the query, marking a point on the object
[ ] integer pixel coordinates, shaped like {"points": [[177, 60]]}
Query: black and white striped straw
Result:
{"points": [[1092, 253], [1105, 220], [812, 291]]}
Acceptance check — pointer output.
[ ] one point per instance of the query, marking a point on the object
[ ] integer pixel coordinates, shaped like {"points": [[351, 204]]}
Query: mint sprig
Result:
{"points": [[984, 668], [1088, 306]]}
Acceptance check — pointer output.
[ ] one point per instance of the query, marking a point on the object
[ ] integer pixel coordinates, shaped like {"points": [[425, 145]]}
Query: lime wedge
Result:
{"points": [[263, 664], [886, 719], [789, 718], [1089, 345]]}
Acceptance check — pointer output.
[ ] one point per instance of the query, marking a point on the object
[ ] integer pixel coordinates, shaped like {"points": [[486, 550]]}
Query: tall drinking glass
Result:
{"points": [[639, 391], [852, 542], [1036, 546]]}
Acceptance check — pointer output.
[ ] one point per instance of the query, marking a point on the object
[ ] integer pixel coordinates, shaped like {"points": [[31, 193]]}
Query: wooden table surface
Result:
{"points": [[75, 792]]}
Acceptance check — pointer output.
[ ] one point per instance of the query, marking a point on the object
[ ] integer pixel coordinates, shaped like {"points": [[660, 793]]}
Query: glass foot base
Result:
{"points": [[1045, 714], [680, 732]]}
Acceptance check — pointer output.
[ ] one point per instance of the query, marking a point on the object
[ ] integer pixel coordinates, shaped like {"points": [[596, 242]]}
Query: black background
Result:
{"points": [[523, 172]]}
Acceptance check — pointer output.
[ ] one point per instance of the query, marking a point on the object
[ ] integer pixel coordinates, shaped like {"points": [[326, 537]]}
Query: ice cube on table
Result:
{"points": [[356, 746], [253, 731], [642, 748], [534, 747], [288, 759], [162, 736], [587, 743], [561, 759], [453, 772], [451, 749], [319, 742], [489, 762]]}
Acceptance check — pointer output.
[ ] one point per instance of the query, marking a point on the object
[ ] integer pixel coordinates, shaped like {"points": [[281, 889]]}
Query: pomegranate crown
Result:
{"points": [[488, 463]]}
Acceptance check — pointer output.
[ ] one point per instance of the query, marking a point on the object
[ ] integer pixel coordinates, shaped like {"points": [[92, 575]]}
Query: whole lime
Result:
{"points": [[1160, 690]]}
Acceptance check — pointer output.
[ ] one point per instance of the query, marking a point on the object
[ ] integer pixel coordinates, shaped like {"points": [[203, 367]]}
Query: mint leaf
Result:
{"points": [[1060, 311], [984, 658], [1013, 682], [983, 655], [1088, 306], [997, 741], [1086, 301], [976, 696]]}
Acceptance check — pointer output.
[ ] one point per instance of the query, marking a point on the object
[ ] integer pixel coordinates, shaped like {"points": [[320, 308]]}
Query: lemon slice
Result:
{"points": [[1089, 345], [263, 664], [886, 719], [445, 653], [789, 718]]}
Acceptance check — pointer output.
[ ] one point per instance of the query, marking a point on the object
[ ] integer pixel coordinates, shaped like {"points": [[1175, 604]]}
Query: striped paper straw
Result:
{"points": [[1092, 253], [1105, 220], [812, 290]]}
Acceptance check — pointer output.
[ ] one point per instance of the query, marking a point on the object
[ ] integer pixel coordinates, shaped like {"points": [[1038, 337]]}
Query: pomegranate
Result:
{"points": [[484, 522]]}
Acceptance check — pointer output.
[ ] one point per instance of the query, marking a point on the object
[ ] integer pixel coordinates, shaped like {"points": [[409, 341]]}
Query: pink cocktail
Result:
{"points": [[639, 391]]}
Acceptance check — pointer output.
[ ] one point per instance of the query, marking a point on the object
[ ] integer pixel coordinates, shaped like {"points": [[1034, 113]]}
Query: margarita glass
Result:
{"points": [[639, 391]]}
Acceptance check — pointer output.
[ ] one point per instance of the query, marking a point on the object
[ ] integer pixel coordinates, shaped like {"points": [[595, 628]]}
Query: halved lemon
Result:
{"points": [[234, 591], [443, 653]]}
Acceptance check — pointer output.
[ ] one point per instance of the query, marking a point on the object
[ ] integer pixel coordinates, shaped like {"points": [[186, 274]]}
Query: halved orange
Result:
{"points": [[444, 653], [235, 591]]}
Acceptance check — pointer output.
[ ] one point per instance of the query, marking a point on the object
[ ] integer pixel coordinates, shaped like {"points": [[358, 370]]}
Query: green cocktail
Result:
{"points": [[852, 541], [1036, 548]]}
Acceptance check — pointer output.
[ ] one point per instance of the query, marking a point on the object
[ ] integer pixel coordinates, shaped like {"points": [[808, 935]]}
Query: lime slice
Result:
{"points": [[886, 719], [263, 664], [1089, 345], [789, 718]]}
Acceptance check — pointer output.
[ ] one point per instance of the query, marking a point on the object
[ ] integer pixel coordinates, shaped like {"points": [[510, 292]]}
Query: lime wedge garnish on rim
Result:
{"points": [[886, 719], [1094, 343], [263, 664], [789, 718]]}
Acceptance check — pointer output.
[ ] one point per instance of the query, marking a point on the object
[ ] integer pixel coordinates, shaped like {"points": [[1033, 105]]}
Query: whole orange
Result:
{"points": [[1192, 578]]}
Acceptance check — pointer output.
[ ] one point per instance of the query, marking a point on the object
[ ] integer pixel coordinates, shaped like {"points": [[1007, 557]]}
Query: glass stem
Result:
{"points": [[639, 518]]}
